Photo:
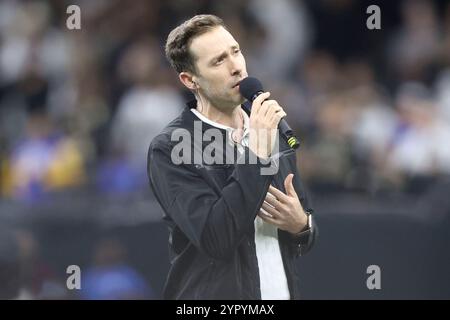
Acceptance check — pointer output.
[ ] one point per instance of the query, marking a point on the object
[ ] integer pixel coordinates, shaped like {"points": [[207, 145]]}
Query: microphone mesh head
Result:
{"points": [[249, 87]]}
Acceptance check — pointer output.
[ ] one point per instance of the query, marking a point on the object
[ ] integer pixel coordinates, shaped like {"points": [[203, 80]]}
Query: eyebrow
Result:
{"points": [[223, 54]]}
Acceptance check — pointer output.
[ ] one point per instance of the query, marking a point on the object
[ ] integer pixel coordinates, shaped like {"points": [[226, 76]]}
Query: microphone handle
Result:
{"points": [[288, 134]]}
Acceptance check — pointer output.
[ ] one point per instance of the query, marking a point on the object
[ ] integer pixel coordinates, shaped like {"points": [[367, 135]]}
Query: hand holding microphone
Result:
{"points": [[252, 89], [264, 119]]}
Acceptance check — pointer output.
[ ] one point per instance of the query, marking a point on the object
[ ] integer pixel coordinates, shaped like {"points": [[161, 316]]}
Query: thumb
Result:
{"points": [[288, 186]]}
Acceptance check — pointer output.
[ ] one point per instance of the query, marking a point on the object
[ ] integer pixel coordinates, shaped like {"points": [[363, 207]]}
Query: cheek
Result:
{"points": [[213, 88], [216, 84], [243, 63]]}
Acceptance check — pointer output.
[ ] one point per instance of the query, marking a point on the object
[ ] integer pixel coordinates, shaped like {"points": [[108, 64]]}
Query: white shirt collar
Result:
{"points": [[221, 126]]}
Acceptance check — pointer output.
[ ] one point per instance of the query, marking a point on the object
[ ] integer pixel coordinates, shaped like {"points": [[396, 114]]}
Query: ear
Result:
{"points": [[188, 79]]}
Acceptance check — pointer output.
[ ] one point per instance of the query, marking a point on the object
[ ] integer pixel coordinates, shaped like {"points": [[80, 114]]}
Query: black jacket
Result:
{"points": [[210, 211]]}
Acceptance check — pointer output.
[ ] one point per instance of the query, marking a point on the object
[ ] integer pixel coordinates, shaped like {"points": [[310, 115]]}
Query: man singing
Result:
{"points": [[234, 232]]}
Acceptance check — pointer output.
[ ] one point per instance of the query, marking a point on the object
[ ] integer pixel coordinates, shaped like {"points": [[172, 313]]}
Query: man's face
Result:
{"points": [[220, 66]]}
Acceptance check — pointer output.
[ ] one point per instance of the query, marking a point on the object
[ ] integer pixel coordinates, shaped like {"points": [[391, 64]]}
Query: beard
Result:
{"points": [[224, 100]]}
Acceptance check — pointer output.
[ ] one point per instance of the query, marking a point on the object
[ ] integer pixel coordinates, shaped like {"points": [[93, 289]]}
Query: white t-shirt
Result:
{"points": [[272, 276]]}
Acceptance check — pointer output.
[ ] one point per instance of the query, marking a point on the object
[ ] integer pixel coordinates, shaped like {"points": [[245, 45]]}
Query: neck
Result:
{"points": [[231, 118]]}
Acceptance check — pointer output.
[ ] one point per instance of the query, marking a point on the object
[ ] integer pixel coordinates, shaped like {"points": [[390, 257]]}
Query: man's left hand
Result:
{"points": [[286, 210]]}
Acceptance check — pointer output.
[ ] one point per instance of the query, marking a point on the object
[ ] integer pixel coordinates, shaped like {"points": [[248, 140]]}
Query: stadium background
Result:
{"points": [[78, 109]]}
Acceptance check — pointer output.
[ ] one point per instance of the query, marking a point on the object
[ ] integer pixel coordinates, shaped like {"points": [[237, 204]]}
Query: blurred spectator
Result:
{"points": [[443, 95], [415, 46], [419, 146], [445, 46], [111, 277], [146, 106], [327, 159], [37, 278], [9, 265], [117, 176], [43, 161], [287, 37], [374, 126]]}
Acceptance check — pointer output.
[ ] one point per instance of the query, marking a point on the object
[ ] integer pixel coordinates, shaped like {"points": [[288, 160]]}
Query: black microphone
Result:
{"points": [[250, 88]]}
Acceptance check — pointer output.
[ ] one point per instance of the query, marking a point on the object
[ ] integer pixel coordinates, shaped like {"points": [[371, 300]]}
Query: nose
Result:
{"points": [[236, 66]]}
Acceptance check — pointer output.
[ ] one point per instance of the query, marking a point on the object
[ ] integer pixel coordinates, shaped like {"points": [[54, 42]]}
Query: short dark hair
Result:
{"points": [[179, 39]]}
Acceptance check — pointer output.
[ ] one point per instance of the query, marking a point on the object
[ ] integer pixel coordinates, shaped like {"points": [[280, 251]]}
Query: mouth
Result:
{"points": [[237, 84]]}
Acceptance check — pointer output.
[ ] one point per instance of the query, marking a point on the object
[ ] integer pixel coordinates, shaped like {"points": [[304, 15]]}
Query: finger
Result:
{"points": [[272, 211], [269, 219], [271, 200], [274, 107], [283, 198], [264, 212], [269, 106], [266, 105], [257, 103], [277, 108], [288, 186], [277, 117]]}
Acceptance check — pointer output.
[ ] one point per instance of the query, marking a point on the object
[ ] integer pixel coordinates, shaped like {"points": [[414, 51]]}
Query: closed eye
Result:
{"points": [[223, 56]]}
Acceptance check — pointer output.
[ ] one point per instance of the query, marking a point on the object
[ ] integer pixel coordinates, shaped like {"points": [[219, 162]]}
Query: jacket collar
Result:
{"points": [[188, 118]]}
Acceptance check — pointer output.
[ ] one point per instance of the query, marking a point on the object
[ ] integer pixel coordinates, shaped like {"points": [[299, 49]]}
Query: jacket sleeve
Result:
{"points": [[304, 241], [215, 223]]}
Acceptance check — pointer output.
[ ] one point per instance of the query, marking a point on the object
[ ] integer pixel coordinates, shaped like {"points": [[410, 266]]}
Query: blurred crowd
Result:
{"points": [[78, 108]]}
